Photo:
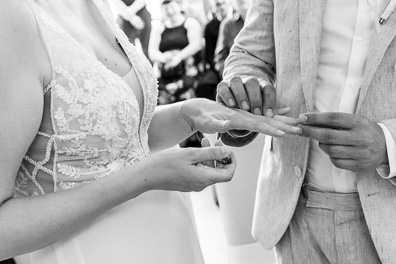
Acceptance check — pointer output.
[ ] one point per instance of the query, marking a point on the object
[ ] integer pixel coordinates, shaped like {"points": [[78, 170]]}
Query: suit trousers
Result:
{"points": [[327, 228]]}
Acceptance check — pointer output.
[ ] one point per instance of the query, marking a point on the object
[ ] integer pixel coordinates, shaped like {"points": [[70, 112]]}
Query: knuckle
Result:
{"points": [[235, 80], [252, 82], [327, 136], [334, 150], [333, 118]]}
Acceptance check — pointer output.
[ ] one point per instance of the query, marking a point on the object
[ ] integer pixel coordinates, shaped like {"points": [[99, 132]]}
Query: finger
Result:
{"points": [[199, 155], [205, 143], [286, 125], [332, 120], [339, 152], [327, 135], [253, 90], [222, 173], [288, 120], [238, 89], [259, 124], [224, 95], [283, 111], [269, 107], [265, 125], [345, 164], [223, 162]]}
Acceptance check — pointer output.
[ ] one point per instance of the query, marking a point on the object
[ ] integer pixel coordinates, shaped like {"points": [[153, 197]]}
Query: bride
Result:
{"points": [[85, 174]]}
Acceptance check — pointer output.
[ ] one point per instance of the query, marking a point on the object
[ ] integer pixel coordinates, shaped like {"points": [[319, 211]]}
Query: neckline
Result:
{"points": [[103, 21], [140, 108]]}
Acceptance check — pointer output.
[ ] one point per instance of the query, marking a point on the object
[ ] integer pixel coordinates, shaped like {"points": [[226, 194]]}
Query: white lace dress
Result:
{"points": [[92, 126]]}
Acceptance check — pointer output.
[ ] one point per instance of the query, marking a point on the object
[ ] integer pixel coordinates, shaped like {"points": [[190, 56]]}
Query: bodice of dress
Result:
{"points": [[92, 124]]}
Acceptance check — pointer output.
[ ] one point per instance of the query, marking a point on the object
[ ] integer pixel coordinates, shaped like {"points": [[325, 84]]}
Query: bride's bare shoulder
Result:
{"points": [[15, 14], [21, 46], [17, 23]]}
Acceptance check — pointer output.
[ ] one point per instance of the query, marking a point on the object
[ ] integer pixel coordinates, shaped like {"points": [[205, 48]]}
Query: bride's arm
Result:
{"points": [[173, 123], [30, 223], [168, 127]]}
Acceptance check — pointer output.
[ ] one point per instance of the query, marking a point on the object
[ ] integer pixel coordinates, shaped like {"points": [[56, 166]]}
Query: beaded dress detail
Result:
{"points": [[94, 125]]}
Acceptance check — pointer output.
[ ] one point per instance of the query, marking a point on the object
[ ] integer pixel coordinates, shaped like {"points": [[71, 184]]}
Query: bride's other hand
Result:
{"points": [[186, 169], [211, 117]]}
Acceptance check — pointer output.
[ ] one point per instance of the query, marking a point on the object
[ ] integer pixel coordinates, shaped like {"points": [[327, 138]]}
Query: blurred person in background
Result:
{"points": [[211, 32], [173, 44], [135, 21], [196, 10], [210, 77], [229, 29]]}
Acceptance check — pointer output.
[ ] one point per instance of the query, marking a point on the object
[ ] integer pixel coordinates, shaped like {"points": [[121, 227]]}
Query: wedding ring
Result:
{"points": [[238, 133]]}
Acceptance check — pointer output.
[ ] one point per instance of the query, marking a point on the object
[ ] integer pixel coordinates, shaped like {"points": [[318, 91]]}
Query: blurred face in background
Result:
{"points": [[171, 10], [242, 6], [222, 7]]}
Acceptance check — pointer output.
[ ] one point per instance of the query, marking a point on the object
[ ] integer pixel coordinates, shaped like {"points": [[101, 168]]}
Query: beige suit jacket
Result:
{"points": [[281, 41]]}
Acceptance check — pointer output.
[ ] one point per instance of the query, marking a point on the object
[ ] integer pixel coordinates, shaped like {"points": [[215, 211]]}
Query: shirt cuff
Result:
{"points": [[388, 171]]}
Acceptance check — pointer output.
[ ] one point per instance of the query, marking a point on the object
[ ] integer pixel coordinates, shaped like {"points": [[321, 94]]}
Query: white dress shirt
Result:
{"points": [[348, 27]]}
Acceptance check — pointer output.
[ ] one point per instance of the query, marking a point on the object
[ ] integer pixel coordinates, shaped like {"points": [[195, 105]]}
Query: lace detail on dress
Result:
{"points": [[95, 115]]}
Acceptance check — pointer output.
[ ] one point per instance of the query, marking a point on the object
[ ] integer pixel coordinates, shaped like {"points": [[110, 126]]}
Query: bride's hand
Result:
{"points": [[211, 117], [186, 169]]}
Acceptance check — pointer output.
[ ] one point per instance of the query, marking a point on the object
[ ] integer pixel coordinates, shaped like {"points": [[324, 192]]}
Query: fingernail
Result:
{"points": [[298, 130], [269, 113], [303, 118], [245, 105], [257, 111], [281, 133], [231, 102]]}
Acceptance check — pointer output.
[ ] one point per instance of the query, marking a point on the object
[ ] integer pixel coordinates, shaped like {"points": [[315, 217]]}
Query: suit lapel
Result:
{"points": [[311, 21], [378, 47]]}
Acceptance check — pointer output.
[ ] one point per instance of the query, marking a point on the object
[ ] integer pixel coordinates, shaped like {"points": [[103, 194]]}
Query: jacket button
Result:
{"points": [[297, 171]]}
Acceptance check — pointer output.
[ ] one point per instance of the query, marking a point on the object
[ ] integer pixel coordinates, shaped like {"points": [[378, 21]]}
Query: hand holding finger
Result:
{"points": [[255, 99], [238, 90], [224, 95], [277, 126], [327, 135], [333, 120]]}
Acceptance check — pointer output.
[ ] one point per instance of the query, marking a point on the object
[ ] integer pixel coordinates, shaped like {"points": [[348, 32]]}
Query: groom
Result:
{"points": [[328, 196]]}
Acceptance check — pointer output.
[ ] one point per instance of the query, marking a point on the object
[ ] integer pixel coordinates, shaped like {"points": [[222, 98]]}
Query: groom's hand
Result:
{"points": [[249, 95], [352, 142]]}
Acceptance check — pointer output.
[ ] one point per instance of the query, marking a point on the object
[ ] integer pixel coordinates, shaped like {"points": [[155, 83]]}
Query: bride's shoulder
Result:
{"points": [[15, 12], [17, 23], [21, 46]]}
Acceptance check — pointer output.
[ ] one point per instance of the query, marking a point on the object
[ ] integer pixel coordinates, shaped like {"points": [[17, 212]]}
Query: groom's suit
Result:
{"points": [[283, 36]]}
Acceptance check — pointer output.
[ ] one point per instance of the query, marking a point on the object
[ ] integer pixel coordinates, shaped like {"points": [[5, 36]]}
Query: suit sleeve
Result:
{"points": [[253, 52], [389, 171]]}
